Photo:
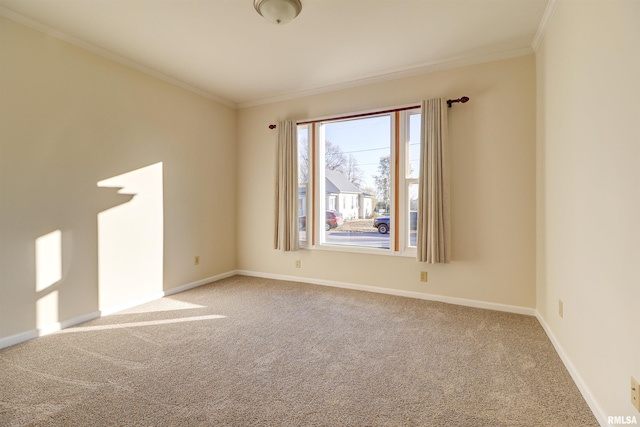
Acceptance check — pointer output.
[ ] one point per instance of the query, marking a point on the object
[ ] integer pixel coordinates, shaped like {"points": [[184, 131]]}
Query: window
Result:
{"points": [[303, 182], [412, 172], [359, 176]]}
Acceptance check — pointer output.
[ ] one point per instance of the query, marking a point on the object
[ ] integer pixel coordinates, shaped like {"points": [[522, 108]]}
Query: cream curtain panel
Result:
{"points": [[286, 221], [434, 216]]}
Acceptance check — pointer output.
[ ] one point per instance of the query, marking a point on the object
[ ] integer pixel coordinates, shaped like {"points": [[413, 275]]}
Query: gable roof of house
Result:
{"points": [[337, 182]]}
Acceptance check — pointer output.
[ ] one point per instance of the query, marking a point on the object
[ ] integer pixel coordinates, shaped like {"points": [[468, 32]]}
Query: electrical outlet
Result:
{"points": [[297, 263], [635, 393], [561, 308], [196, 260], [423, 276]]}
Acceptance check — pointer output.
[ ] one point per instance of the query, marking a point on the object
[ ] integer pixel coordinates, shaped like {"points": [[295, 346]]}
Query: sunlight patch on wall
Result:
{"points": [[48, 273], [131, 239], [47, 313], [48, 260]]}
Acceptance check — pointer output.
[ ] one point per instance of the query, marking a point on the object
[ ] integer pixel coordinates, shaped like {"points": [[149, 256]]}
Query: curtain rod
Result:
{"points": [[462, 100]]}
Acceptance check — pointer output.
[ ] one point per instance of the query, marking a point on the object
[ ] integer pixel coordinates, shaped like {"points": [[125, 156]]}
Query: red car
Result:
{"points": [[332, 220]]}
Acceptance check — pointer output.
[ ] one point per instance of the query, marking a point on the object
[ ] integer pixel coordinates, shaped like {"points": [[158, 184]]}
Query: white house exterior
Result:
{"points": [[343, 196]]}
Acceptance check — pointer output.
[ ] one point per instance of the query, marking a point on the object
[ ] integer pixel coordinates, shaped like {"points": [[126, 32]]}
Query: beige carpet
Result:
{"points": [[255, 352]]}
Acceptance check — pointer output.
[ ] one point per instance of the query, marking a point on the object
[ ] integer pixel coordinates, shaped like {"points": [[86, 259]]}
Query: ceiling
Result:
{"points": [[224, 50]]}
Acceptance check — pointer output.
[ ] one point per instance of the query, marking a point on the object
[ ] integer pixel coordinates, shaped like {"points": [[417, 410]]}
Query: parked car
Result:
{"points": [[333, 219], [383, 223]]}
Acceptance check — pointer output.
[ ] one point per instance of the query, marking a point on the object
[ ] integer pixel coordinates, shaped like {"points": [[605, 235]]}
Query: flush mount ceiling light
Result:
{"points": [[278, 11]]}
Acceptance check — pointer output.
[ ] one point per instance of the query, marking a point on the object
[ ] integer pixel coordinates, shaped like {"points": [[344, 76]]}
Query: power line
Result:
{"points": [[367, 149]]}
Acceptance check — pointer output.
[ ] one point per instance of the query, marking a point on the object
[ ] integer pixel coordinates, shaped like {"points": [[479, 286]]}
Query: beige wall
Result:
{"points": [[588, 82], [493, 186], [70, 119]]}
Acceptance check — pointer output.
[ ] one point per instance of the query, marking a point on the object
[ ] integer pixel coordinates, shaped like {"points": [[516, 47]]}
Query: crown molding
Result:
{"points": [[446, 64], [544, 24], [426, 68], [43, 28]]}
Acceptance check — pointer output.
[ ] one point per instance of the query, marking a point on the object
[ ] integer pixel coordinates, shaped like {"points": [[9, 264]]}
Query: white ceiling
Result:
{"points": [[225, 50]]}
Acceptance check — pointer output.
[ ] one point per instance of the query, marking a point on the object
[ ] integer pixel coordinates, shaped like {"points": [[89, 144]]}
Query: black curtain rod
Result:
{"points": [[462, 100]]}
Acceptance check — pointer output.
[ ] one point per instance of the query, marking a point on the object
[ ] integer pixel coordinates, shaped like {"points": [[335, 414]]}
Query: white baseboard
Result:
{"points": [[18, 338], [410, 294], [106, 311], [582, 386], [57, 326], [197, 283], [157, 295], [47, 329]]}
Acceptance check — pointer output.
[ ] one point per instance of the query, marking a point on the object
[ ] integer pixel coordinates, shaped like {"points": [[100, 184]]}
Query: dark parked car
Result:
{"points": [[383, 223], [332, 220]]}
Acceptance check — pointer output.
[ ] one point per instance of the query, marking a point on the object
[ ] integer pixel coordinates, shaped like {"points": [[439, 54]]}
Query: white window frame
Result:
{"points": [[316, 188], [405, 181], [304, 244]]}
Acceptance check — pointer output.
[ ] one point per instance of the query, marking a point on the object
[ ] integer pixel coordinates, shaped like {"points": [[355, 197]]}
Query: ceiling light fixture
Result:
{"points": [[278, 11]]}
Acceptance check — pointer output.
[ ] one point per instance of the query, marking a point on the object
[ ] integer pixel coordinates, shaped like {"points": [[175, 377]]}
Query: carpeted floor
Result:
{"points": [[256, 352]]}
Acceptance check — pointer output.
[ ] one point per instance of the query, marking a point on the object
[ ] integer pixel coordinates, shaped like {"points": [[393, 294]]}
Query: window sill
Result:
{"points": [[409, 253]]}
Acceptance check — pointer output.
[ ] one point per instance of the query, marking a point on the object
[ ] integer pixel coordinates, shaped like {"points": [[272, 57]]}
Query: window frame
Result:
{"points": [[405, 181], [309, 193], [399, 212]]}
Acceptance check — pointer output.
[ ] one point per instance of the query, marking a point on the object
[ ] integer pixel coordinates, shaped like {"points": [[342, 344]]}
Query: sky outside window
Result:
{"points": [[367, 140]]}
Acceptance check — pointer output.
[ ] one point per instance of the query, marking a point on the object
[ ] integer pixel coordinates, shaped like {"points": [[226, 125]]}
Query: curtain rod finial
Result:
{"points": [[462, 100], [272, 126]]}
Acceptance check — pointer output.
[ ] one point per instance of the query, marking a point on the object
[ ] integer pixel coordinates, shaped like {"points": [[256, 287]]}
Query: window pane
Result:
{"points": [[414, 146], [357, 181], [412, 199], [303, 180]]}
